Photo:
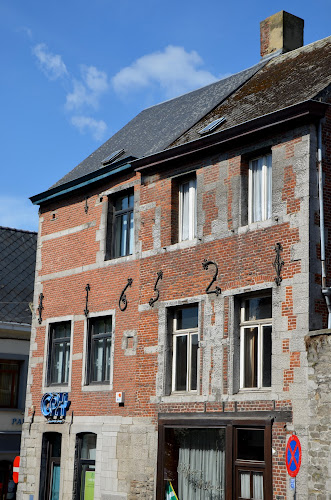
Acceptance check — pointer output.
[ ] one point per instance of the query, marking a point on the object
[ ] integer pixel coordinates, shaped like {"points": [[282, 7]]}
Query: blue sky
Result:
{"points": [[74, 72]]}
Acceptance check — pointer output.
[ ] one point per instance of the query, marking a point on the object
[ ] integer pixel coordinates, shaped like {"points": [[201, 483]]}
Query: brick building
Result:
{"points": [[178, 273]]}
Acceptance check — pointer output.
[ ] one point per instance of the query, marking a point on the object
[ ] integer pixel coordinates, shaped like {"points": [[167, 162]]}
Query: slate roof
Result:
{"points": [[17, 267], [271, 85], [286, 80], [155, 128]]}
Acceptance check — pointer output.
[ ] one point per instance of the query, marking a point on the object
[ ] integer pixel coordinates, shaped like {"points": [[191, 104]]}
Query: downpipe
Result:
{"points": [[326, 291]]}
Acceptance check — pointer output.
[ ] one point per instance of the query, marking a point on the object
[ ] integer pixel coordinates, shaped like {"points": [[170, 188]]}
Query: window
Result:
{"points": [[100, 343], [214, 458], [194, 462], [59, 353], [187, 210], [259, 189], [120, 232], [185, 349], [250, 463], [50, 466], [255, 342], [9, 377], [85, 466]]}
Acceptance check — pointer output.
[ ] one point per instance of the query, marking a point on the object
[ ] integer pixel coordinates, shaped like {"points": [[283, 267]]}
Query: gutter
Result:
{"points": [[326, 291], [79, 183]]}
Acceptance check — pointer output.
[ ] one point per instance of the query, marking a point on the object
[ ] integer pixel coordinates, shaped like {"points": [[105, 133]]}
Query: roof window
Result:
{"points": [[113, 156], [211, 126]]}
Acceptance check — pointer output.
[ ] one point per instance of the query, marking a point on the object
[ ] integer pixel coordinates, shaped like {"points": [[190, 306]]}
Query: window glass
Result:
{"points": [[85, 461], [185, 349], [257, 308], [187, 317], [250, 444], [100, 333], [260, 189], [195, 463], [251, 360], [9, 379], [256, 342], [59, 352], [187, 210], [123, 231], [89, 446], [181, 362]]}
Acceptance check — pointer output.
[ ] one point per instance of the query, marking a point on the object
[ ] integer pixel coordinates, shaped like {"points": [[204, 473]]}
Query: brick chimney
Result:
{"points": [[280, 33]]}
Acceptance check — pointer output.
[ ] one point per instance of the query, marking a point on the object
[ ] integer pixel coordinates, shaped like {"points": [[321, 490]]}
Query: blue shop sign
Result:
{"points": [[54, 406]]}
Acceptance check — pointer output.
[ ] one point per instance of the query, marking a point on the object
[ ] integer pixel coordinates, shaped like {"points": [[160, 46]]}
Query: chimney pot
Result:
{"points": [[281, 32]]}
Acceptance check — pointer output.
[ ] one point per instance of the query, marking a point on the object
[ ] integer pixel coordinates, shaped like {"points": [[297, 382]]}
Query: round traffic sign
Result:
{"points": [[16, 468], [293, 455]]}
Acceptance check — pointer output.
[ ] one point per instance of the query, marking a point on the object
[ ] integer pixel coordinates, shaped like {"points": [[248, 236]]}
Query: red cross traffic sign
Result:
{"points": [[16, 468], [293, 456]]}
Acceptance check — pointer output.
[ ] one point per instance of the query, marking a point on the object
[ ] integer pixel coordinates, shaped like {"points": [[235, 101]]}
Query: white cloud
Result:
{"points": [[51, 64], [88, 91], [18, 213], [25, 30], [86, 123], [174, 70]]}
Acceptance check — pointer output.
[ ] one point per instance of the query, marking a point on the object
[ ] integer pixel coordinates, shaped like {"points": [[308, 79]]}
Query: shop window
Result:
{"points": [[59, 353], [187, 210], [50, 466], [185, 343], [260, 189], [211, 458], [195, 462], [85, 466], [9, 380], [120, 226], [100, 348], [255, 342]]}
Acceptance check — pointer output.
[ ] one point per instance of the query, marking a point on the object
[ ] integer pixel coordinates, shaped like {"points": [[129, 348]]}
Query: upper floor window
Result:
{"points": [[9, 378], [100, 344], [59, 353], [187, 210], [120, 232], [185, 349], [260, 189], [255, 342]]}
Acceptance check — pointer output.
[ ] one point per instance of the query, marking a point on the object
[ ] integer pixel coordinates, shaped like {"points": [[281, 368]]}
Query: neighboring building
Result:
{"points": [[17, 268], [178, 274]]}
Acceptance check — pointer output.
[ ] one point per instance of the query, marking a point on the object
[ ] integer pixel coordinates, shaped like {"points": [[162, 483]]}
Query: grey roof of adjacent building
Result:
{"points": [[155, 128], [17, 270]]}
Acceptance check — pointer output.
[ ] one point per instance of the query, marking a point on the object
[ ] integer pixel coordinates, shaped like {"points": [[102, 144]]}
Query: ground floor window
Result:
{"points": [[216, 461], [50, 466], [85, 466]]}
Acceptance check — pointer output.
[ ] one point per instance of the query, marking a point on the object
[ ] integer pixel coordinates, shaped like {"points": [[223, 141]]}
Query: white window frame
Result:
{"points": [[182, 333], [266, 198], [259, 324], [192, 210]]}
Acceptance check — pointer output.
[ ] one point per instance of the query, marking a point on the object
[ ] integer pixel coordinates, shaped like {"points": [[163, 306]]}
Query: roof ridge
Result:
{"points": [[202, 87], [298, 49], [18, 230]]}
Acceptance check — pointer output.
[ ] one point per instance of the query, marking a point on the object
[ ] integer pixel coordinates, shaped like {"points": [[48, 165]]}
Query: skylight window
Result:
{"points": [[113, 156], [211, 126]]}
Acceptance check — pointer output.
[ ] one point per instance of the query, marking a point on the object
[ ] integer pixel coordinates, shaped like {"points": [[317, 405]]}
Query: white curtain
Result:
{"points": [[257, 486], [188, 210], [261, 188], [201, 466]]}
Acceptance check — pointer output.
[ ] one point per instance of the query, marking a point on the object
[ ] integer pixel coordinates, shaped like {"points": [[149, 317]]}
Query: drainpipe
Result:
{"points": [[326, 291]]}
